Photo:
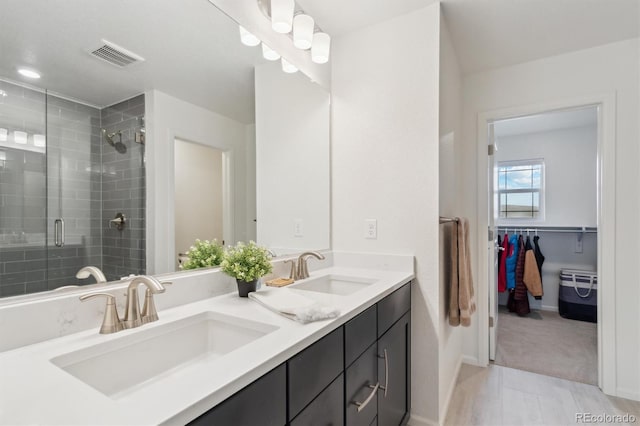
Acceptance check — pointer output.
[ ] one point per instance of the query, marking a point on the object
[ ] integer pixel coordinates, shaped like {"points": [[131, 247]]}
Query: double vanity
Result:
{"points": [[224, 359]]}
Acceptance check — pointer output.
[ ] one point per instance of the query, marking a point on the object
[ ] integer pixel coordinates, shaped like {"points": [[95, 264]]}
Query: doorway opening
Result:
{"points": [[199, 195], [543, 204]]}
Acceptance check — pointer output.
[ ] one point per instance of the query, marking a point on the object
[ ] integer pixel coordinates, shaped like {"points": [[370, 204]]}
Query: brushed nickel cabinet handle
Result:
{"points": [[386, 373], [362, 405]]}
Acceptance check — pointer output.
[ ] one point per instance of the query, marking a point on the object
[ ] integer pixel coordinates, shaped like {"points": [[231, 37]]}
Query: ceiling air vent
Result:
{"points": [[115, 54]]}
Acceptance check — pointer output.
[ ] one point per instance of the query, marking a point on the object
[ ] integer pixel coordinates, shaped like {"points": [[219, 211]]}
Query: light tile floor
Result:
{"points": [[504, 396]]}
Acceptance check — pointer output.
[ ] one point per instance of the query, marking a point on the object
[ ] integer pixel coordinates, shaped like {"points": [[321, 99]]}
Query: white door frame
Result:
{"points": [[606, 225]]}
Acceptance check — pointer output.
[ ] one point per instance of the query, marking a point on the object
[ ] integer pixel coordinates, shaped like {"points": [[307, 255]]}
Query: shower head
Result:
{"points": [[118, 145]]}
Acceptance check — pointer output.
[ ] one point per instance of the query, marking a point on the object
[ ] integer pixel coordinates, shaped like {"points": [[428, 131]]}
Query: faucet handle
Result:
{"points": [[293, 274], [111, 322], [149, 312]]}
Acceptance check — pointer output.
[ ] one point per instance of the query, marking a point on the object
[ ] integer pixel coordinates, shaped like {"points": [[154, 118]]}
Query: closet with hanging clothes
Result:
{"points": [[545, 203]]}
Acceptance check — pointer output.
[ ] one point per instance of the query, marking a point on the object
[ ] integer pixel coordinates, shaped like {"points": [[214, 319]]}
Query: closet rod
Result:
{"points": [[565, 229], [444, 219]]}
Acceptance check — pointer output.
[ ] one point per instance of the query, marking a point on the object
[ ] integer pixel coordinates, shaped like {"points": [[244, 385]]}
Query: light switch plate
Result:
{"points": [[371, 229]]}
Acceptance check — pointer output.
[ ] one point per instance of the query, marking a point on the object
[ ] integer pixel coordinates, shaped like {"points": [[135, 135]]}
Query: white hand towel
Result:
{"points": [[292, 305]]}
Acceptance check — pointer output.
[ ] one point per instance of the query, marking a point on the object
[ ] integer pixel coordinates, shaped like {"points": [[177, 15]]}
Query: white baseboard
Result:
{"points": [[549, 308], [452, 388], [420, 421], [628, 394], [471, 360]]}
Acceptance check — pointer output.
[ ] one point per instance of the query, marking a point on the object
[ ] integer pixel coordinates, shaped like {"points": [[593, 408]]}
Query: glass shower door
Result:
{"points": [[74, 233], [23, 202]]}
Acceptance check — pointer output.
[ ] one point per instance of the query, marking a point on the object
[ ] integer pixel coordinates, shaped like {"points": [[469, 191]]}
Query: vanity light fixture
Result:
{"points": [[269, 54], [40, 141], [286, 15], [247, 38], [303, 26], [288, 67], [20, 137], [320, 48], [282, 15], [29, 73], [3, 135]]}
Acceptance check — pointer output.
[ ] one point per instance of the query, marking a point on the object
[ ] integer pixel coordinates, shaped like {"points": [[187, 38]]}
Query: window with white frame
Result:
{"points": [[521, 189]]}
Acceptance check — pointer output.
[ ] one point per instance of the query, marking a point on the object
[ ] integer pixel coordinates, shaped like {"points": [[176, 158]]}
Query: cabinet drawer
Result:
{"points": [[250, 407], [392, 307], [313, 369], [326, 409], [360, 375], [359, 334]]}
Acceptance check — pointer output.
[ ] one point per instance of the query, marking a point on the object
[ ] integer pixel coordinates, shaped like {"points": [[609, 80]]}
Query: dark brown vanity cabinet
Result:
{"points": [[394, 357], [263, 402], [394, 373], [357, 375]]}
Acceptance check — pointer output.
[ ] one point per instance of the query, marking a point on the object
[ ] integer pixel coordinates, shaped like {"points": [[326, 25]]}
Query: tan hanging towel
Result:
{"points": [[461, 295], [532, 278]]}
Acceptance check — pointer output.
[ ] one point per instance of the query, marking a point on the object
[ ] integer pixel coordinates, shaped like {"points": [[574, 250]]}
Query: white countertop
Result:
{"points": [[35, 391]]}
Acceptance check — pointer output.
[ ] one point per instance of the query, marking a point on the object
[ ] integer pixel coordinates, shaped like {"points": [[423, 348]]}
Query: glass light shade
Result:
{"points": [[288, 67], [20, 137], [3, 135], [269, 54], [303, 31], [320, 48], [282, 15], [247, 38], [40, 141]]}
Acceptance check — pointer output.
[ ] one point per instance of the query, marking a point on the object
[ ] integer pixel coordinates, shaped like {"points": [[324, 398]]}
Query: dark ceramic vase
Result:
{"points": [[246, 287]]}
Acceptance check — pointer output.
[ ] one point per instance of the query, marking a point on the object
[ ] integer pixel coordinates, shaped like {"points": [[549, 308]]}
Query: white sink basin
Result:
{"points": [[340, 285], [121, 366]]}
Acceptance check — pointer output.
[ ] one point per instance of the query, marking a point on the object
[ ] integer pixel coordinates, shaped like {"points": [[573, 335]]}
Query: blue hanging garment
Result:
{"points": [[512, 257]]}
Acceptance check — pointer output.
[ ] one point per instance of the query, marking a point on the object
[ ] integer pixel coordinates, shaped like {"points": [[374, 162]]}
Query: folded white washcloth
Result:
{"points": [[292, 305]]}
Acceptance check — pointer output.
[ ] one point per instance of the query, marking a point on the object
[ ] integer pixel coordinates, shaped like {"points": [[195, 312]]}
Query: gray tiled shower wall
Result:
{"points": [[80, 179], [123, 191]]}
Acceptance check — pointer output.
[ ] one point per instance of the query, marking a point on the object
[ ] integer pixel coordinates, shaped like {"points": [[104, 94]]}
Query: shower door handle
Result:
{"points": [[58, 232]]}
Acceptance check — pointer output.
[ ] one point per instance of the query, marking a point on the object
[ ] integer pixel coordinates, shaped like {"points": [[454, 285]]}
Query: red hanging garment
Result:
{"points": [[502, 265]]}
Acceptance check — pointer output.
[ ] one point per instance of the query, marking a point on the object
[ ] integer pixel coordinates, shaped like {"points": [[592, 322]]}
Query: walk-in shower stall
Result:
{"points": [[72, 189]]}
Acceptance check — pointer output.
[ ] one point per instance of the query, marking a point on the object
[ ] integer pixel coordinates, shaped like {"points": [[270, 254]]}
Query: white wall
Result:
{"points": [[450, 138], [252, 231], [384, 165], [168, 118], [292, 160], [198, 199], [570, 177], [609, 70]]}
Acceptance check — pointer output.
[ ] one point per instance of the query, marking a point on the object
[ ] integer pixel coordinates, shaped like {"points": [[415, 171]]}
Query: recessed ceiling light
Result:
{"points": [[3, 93], [28, 73]]}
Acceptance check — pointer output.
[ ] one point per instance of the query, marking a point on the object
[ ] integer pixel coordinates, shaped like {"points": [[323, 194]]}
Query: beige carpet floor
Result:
{"points": [[545, 343]]}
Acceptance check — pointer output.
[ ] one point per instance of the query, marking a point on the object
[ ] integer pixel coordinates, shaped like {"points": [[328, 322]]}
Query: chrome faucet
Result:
{"points": [[132, 317], [303, 271], [88, 271]]}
